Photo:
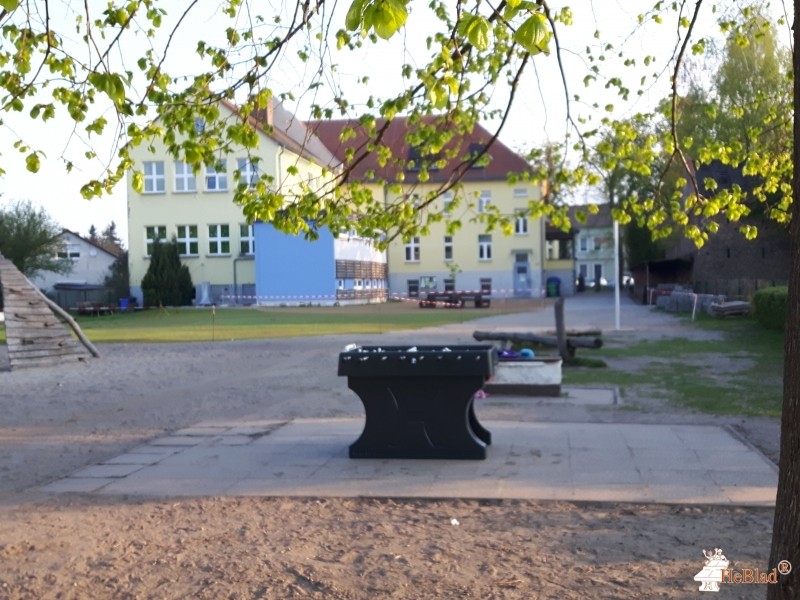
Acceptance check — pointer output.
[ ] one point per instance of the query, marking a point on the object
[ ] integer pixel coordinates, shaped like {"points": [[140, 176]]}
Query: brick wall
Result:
{"points": [[729, 256]]}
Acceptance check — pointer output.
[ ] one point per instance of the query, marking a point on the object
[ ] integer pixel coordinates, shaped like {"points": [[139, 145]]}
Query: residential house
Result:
{"points": [[470, 259], [231, 261], [90, 264], [594, 247]]}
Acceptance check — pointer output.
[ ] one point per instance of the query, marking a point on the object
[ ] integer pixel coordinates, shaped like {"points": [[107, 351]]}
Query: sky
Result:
{"points": [[538, 114]]}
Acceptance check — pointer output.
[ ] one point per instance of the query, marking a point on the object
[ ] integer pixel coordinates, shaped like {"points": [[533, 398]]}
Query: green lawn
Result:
{"points": [[739, 374], [205, 324]]}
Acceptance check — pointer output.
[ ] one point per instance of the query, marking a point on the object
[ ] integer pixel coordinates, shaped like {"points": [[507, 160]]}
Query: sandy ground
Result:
{"points": [[56, 420]]}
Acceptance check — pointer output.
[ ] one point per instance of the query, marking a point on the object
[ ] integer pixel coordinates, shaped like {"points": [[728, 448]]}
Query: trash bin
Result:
{"points": [[553, 287], [123, 304]]}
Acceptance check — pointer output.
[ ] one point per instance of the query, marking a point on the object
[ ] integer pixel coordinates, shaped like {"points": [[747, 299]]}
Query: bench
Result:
{"points": [[455, 300], [93, 308], [419, 401]]}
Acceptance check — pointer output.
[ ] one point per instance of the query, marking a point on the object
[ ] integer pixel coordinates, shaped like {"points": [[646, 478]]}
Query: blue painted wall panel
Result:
{"points": [[292, 268]]}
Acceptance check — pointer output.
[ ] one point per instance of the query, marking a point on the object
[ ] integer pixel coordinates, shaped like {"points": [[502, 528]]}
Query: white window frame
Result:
{"points": [[598, 244], [217, 238], [155, 178], [188, 240], [484, 247], [447, 202], [484, 200], [150, 241], [216, 181], [358, 284], [551, 249], [583, 244], [412, 250], [340, 284], [247, 240], [69, 250], [521, 223], [185, 181], [248, 172], [520, 192], [448, 248]]}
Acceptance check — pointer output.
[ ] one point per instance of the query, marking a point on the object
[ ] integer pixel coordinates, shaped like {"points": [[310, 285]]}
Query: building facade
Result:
{"points": [[472, 259], [233, 262], [469, 258], [333, 269], [594, 248], [197, 209], [90, 265]]}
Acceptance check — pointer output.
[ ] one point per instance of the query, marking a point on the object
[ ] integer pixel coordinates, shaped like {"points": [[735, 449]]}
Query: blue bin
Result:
{"points": [[123, 304]]}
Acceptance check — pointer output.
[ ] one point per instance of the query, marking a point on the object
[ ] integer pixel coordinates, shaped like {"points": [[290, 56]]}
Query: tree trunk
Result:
{"points": [[786, 526], [561, 330]]}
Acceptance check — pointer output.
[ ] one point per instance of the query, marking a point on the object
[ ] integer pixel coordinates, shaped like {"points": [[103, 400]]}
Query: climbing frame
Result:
{"points": [[34, 335]]}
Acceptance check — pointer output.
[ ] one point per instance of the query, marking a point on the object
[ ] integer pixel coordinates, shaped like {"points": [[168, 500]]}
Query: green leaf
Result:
{"points": [[32, 162], [354, 15], [533, 34], [464, 24], [438, 95], [389, 17], [137, 181], [479, 34], [9, 5], [475, 29]]}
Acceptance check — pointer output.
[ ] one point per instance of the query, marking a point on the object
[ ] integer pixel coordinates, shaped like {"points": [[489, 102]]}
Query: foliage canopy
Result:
{"points": [[31, 240]]}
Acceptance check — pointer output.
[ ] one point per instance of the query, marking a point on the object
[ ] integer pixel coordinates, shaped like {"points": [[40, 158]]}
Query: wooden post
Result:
{"points": [[70, 321], [561, 330]]}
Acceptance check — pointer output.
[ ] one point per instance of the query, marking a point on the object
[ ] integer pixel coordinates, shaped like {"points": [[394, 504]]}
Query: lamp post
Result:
{"points": [[617, 283]]}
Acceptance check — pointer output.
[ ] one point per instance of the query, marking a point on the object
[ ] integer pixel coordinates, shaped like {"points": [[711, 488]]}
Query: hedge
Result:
{"points": [[769, 306]]}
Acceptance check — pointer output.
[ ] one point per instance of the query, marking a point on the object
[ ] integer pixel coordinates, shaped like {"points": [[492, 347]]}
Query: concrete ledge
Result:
{"points": [[526, 377], [522, 389]]}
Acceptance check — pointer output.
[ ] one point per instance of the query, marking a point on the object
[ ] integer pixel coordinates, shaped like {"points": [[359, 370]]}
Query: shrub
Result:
{"points": [[167, 282], [769, 306]]}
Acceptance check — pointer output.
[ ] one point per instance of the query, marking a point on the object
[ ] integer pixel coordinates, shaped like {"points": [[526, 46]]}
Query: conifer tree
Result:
{"points": [[118, 278], [167, 281]]}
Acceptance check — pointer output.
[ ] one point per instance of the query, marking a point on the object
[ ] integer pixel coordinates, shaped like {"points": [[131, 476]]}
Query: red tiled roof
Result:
{"points": [[502, 159], [290, 132]]}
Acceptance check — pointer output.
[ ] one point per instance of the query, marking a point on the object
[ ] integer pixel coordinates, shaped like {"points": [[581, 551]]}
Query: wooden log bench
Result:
{"points": [[572, 342]]}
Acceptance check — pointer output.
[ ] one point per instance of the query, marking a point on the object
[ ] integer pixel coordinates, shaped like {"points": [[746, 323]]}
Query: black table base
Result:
{"points": [[430, 417], [419, 400]]}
